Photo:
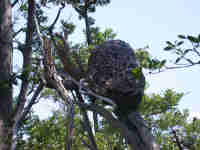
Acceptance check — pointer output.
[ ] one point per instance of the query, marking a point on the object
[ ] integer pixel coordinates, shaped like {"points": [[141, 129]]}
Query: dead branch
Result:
{"points": [[24, 114], [56, 19], [50, 73], [86, 122], [31, 103], [17, 32]]}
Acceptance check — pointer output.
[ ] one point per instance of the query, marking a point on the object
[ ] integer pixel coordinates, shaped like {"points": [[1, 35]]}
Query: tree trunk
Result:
{"points": [[87, 25], [5, 72], [143, 137], [5, 135]]}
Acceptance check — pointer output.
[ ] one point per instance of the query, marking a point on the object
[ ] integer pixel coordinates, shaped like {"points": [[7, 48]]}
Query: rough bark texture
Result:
{"points": [[5, 72], [143, 138], [27, 60]]}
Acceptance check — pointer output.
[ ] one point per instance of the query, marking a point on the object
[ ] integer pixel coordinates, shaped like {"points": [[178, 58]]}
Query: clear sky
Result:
{"points": [[144, 22]]}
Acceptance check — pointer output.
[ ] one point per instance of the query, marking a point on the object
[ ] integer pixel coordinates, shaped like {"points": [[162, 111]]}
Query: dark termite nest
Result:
{"points": [[110, 74]]}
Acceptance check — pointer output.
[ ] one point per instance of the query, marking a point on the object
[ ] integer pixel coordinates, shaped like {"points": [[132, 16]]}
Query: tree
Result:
{"points": [[5, 75], [52, 66], [186, 56]]}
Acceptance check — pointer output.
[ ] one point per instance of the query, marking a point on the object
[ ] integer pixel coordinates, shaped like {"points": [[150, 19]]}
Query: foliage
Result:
{"points": [[160, 112], [186, 50], [147, 62]]}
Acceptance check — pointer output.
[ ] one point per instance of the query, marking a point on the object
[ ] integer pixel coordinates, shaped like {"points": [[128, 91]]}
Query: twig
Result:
{"points": [[38, 31], [31, 103], [180, 67], [14, 3], [17, 32], [87, 122], [84, 90], [24, 114], [196, 51], [56, 19]]}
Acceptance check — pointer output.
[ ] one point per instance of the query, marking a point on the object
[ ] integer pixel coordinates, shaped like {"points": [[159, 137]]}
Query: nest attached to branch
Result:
{"points": [[111, 73]]}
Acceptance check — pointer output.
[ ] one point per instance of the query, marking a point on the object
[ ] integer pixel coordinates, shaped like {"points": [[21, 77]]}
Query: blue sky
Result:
{"points": [[143, 22]]}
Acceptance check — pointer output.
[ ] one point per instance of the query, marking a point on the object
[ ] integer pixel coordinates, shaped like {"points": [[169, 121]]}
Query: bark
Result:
{"points": [[143, 137], [87, 124], [87, 25], [69, 127], [18, 115], [27, 58], [5, 74]]}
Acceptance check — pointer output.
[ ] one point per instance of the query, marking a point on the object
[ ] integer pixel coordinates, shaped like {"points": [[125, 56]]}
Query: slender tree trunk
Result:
{"points": [[5, 72], [87, 25]]}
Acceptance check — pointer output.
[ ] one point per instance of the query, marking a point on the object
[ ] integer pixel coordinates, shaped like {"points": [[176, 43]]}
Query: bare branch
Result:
{"points": [[31, 103], [56, 19], [86, 122], [196, 51], [38, 31], [186, 66], [21, 118], [85, 90], [17, 32]]}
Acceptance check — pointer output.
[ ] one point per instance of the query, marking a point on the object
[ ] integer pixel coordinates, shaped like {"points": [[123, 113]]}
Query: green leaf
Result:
{"points": [[162, 63], [169, 43], [168, 48], [182, 36], [180, 43], [193, 39], [177, 60], [137, 72], [186, 51], [23, 7]]}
